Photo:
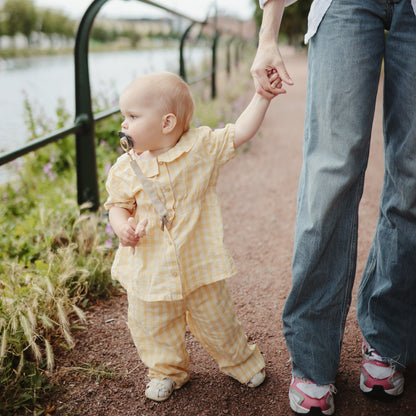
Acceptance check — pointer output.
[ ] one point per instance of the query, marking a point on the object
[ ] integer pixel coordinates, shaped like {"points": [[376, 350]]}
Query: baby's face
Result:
{"points": [[143, 120]]}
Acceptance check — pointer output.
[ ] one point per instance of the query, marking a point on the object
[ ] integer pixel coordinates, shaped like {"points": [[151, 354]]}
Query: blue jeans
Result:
{"points": [[344, 64]]}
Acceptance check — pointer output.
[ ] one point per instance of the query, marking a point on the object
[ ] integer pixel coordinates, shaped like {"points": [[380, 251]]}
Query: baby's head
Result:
{"points": [[159, 106]]}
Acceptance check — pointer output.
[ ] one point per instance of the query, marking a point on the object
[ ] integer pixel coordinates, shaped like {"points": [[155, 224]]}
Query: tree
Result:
{"points": [[66, 26], [55, 22], [295, 20], [2, 27], [101, 34], [48, 24], [20, 16], [257, 15]]}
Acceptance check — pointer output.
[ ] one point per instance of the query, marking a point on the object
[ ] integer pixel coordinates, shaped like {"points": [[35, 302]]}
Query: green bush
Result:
{"points": [[54, 256]]}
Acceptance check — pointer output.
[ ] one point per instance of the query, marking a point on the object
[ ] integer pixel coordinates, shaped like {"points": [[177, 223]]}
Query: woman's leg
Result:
{"points": [[386, 300], [344, 64]]}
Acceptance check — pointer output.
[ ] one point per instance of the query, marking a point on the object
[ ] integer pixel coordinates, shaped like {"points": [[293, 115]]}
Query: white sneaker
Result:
{"points": [[378, 378], [257, 379], [160, 389], [307, 397]]}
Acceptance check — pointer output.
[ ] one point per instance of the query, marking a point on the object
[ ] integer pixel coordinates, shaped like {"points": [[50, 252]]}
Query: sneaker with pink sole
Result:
{"points": [[310, 398], [377, 377]]}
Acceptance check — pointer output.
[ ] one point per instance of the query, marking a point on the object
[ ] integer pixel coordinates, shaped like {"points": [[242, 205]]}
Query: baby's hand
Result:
{"points": [[139, 231], [275, 82]]}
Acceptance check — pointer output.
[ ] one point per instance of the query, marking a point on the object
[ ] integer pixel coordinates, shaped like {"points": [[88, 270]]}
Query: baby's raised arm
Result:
{"points": [[251, 118]]}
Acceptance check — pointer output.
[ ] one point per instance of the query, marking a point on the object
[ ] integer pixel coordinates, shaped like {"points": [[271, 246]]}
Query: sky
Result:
{"points": [[197, 9]]}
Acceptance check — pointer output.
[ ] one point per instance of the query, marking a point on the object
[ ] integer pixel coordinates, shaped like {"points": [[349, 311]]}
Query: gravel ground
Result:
{"points": [[103, 375]]}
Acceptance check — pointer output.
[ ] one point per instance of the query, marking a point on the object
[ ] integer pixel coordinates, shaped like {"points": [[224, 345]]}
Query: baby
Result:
{"points": [[175, 275]]}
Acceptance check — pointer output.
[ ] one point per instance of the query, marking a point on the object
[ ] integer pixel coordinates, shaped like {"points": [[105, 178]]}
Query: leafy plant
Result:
{"points": [[54, 255]]}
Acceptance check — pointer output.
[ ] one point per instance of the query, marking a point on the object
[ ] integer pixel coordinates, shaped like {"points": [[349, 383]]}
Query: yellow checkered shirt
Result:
{"points": [[168, 265]]}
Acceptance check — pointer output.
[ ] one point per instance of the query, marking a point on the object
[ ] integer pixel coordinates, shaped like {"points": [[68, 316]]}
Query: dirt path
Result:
{"points": [[258, 193]]}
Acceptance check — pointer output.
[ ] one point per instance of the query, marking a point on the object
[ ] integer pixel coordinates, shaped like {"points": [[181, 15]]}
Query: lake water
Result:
{"points": [[47, 79]]}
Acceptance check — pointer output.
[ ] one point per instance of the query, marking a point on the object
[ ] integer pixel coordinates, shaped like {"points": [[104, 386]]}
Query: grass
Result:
{"points": [[95, 371], [55, 256]]}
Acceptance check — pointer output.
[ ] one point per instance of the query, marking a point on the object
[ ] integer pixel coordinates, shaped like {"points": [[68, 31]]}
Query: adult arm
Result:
{"points": [[268, 59]]}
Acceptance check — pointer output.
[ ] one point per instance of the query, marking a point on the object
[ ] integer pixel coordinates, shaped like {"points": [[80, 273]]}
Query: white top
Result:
{"points": [[316, 13]]}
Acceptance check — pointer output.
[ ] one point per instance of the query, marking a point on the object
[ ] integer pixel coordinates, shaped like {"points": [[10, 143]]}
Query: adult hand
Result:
{"points": [[267, 63]]}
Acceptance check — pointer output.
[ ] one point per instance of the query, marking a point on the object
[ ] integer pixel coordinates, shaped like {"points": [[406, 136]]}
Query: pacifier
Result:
{"points": [[126, 142]]}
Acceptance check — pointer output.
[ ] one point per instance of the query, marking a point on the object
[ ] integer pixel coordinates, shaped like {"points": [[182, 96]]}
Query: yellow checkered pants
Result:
{"points": [[158, 330]]}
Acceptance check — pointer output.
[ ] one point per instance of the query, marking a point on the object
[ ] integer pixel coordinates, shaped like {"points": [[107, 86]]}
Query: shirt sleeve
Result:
{"points": [[120, 192], [222, 144], [287, 2]]}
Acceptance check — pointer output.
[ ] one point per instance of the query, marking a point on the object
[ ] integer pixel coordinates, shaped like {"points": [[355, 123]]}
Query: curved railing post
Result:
{"points": [[228, 63], [83, 127], [87, 182], [182, 71], [214, 65], [237, 54]]}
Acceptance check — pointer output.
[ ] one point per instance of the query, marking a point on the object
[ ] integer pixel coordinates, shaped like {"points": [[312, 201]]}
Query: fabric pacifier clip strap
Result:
{"points": [[151, 193], [126, 144]]}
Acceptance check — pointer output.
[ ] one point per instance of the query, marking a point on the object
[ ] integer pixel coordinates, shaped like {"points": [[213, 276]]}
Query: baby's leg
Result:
{"points": [[211, 318], [158, 331]]}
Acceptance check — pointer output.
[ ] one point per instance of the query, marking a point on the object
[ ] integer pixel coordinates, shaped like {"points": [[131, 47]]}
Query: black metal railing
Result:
{"points": [[84, 124]]}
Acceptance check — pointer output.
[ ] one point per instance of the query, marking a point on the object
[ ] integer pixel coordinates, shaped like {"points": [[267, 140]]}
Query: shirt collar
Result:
{"points": [[150, 167]]}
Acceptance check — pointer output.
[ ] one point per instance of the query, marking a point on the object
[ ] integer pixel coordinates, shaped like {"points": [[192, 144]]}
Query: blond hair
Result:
{"points": [[171, 93]]}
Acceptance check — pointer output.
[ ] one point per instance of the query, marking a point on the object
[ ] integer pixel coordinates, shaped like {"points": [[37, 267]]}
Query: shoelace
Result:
{"points": [[373, 355]]}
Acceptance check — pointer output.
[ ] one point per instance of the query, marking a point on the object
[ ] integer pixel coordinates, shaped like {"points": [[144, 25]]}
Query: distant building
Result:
{"points": [[140, 26], [227, 25]]}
